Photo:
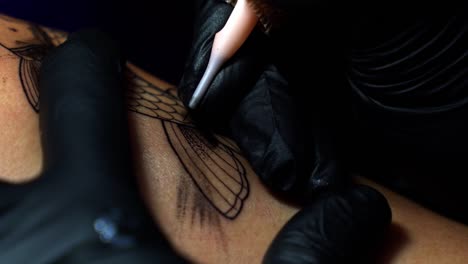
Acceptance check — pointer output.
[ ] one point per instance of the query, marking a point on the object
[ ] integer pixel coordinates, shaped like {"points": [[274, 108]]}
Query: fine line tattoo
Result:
{"points": [[30, 56], [213, 165]]}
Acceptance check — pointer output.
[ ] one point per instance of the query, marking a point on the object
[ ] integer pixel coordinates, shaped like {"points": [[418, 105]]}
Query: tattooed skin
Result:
{"points": [[30, 57], [212, 163]]}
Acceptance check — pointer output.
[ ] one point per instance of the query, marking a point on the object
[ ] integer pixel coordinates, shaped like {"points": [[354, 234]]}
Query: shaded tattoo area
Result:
{"points": [[215, 168], [31, 53], [212, 162]]}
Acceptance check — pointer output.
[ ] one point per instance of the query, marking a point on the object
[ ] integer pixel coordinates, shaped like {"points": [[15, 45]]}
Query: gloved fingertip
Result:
{"points": [[81, 101], [338, 227], [87, 42], [374, 200]]}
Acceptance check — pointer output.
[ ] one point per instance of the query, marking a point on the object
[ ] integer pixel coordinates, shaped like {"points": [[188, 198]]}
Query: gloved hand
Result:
{"points": [[281, 123], [239, 74], [279, 113], [300, 32], [83, 127], [236, 77], [341, 227], [337, 224]]}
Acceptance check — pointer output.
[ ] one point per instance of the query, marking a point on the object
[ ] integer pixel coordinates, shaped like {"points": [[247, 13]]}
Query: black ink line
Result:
{"points": [[199, 139], [200, 145], [178, 132], [5, 47], [27, 88], [30, 56], [231, 205], [136, 93], [209, 168], [229, 164], [194, 164]]}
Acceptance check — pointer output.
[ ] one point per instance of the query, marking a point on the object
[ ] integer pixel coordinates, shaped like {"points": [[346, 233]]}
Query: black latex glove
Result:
{"points": [[240, 73], [288, 139], [336, 225], [344, 227], [279, 114], [237, 75], [83, 127], [299, 38]]}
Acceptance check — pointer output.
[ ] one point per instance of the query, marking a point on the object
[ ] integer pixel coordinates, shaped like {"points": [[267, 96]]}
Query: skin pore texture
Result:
{"points": [[198, 187]]}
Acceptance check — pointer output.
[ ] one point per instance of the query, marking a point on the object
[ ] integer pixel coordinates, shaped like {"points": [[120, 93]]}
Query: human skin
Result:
{"points": [[163, 142]]}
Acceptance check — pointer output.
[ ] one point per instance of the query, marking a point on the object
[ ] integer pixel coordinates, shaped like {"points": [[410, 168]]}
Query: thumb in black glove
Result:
{"points": [[344, 227]]}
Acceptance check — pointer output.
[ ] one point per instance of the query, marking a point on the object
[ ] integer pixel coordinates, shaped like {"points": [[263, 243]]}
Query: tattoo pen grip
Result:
{"points": [[227, 41], [214, 65]]}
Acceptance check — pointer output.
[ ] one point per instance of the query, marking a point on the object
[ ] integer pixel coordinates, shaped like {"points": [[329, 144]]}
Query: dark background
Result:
{"points": [[156, 35]]}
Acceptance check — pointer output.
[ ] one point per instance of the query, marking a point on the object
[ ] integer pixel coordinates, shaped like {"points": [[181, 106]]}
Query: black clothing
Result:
{"points": [[410, 104]]}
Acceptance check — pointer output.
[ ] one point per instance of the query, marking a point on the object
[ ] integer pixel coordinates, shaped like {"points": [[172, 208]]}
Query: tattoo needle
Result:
{"points": [[226, 42]]}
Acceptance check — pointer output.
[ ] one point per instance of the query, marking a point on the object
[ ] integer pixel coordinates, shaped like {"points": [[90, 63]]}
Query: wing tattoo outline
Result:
{"points": [[149, 100], [31, 56], [213, 164]]}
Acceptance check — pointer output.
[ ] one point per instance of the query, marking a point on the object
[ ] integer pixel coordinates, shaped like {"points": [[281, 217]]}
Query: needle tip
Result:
{"points": [[193, 103]]}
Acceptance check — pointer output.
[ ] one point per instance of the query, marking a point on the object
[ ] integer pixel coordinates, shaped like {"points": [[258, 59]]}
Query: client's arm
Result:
{"points": [[418, 235], [198, 187]]}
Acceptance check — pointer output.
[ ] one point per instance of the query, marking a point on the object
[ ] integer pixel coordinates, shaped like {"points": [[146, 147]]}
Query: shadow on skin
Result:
{"points": [[396, 239]]}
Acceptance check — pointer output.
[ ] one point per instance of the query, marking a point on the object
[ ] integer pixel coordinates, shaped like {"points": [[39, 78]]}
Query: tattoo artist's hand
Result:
{"points": [[83, 121], [286, 44], [338, 223], [280, 125], [337, 227], [283, 134], [235, 78]]}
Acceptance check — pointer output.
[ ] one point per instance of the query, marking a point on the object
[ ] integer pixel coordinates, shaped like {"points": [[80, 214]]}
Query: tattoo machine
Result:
{"points": [[227, 41]]}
